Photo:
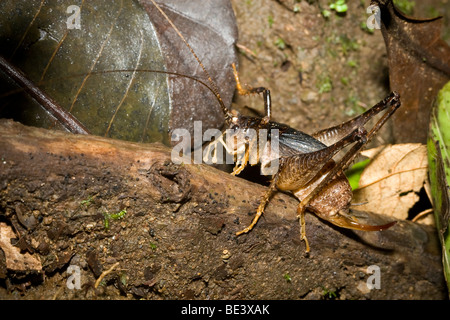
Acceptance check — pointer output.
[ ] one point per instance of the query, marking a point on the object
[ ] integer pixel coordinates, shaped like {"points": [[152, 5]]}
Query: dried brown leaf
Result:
{"points": [[15, 260], [390, 183]]}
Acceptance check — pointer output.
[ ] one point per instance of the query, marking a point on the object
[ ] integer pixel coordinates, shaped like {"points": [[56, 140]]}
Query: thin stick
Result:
{"points": [[64, 117], [104, 274], [422, 214]]}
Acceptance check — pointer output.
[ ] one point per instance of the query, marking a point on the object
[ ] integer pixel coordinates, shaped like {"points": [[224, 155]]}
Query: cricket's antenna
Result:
{"points": [[213, 88]]}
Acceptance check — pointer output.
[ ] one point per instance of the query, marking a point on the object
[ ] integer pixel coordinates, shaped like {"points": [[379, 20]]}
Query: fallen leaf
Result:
{"points": [[210, 29], [67, 64], [15, 260], [419, 65], [390, 182]]}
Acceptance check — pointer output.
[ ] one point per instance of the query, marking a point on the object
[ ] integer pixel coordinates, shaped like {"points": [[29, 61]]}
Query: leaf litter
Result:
{"points": [[392, 180]]}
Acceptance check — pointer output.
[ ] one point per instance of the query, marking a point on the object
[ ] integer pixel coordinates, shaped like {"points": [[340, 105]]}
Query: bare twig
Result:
{"points": [[50, 105], [104, 274]]}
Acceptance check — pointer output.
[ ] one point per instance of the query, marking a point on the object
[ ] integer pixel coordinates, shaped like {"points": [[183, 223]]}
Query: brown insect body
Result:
{"points": [[305, 162], [307, 168], [335, 197]]}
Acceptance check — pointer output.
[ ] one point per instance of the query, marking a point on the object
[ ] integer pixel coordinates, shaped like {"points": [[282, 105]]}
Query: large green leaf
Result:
{"points": [[439, 171]]}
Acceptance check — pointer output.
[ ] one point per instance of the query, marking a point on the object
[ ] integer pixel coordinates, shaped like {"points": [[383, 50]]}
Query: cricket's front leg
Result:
{"points": [[261, 206], [301, 217], [241, 162], [264, 91]]}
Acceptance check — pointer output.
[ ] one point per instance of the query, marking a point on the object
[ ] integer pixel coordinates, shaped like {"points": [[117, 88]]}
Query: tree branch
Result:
{"points": [[175, 234]]}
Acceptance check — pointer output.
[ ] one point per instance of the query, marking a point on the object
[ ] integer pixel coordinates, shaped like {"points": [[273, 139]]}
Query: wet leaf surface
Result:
{"points": [[213, 40], [67, 62], [419, 65]]}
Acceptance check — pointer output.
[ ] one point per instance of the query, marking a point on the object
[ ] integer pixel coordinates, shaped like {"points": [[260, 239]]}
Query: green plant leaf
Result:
{"points": [[354, 173], [339, 6], [439, 171]]}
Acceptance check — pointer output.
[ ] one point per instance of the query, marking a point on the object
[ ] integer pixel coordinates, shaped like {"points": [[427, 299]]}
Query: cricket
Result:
{"points": [[306, 164], [307, 168]]}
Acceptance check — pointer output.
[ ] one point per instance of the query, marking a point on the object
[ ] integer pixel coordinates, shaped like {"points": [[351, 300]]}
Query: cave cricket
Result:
{"points": [[306, 167], [305, 163]]}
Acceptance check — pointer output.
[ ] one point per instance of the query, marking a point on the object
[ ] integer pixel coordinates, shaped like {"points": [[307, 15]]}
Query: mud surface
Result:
{"points": [[176, 239]]}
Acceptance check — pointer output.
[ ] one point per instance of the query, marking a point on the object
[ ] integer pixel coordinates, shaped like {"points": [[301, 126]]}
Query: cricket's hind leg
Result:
{"points": [[332, 204], [331, 135], [337, 215]]}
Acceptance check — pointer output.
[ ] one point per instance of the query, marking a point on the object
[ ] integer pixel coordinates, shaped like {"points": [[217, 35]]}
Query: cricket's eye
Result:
{"points": [[235, 127]]}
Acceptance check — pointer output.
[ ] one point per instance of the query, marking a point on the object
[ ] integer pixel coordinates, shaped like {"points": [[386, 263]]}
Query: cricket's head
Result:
{"points": [[242, 131], [237, 133]]}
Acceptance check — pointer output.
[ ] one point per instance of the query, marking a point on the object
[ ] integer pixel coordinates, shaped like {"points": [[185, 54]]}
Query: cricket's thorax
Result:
{"points": [[266, 140]]}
